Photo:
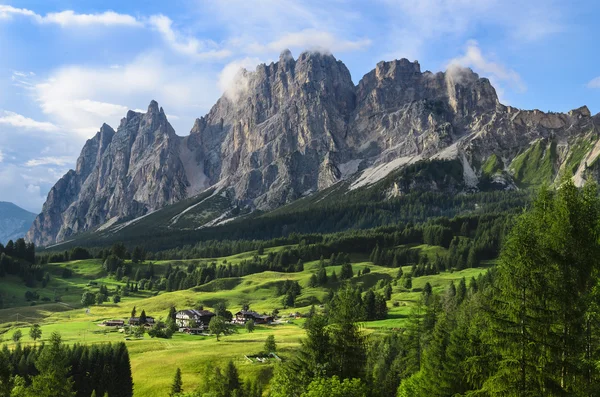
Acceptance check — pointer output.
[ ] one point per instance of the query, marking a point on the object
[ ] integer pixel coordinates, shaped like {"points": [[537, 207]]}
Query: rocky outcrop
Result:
{"points": [[297, 126], [119, 175]]}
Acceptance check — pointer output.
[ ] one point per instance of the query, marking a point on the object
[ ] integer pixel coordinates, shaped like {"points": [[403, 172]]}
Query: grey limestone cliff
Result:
{"points": [[297, 126]]}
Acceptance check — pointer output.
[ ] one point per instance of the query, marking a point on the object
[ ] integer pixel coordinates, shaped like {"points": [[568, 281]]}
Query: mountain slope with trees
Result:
{"points": [[298, 127]]}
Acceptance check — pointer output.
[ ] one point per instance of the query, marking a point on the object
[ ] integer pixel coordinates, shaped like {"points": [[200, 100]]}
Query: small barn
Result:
{"points": [[244, 316], [136, 321]]}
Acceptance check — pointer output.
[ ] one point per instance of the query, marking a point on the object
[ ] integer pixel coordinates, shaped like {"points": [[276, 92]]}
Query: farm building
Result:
{"points": [[243, 316], [136, 321], [185, 318]]}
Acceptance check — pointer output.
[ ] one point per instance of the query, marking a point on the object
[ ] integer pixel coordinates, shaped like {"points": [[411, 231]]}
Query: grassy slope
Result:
{"points": [[492, 165], [579, 149], [154, 360], [535, 166]]}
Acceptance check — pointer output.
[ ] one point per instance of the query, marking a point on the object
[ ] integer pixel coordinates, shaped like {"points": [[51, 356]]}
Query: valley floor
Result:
{"points": [[154, 360]]}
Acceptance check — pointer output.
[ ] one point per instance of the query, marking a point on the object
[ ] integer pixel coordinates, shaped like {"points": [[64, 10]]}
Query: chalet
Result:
{"points": [[136, 321], [184, 318], [113, 323], [244, 316]]}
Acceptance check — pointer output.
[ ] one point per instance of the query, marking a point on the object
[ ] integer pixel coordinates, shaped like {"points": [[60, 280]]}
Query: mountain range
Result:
{"points": [[297, 127], [14, 221]]}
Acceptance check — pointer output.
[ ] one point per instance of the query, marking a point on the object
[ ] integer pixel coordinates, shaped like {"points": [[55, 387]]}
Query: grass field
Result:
{"points": [[154, 360]]}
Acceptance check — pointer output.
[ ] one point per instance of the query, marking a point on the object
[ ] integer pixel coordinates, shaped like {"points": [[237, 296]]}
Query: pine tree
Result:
{"points": [[333, 278], [348, 349], [543, 289], [369, 305], [176, 386], [232, 380], [400, 273], [270, 345], [143, 318], [172, 313], [53, 379], [346, 272]]}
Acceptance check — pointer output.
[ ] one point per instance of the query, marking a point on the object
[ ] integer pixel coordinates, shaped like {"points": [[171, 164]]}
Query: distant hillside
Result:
{"points": [[14, 221]]}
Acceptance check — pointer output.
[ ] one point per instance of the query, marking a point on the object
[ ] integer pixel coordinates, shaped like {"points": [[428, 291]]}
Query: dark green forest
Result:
{"points": [[53, 369]]}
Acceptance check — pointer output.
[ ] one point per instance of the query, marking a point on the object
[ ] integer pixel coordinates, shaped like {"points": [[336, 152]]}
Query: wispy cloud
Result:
{"points": [[177, 41], [187, 45], [1, 156], [496, 72], [71, 18], [312, 39], [108, 18], [28, 186], [16, 120], [80, 98], [59, 161], [594, 83], [415, 24], [7, 12]]}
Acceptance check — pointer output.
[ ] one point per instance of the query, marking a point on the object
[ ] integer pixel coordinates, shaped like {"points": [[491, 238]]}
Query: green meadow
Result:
{"points": [[154, 361]]}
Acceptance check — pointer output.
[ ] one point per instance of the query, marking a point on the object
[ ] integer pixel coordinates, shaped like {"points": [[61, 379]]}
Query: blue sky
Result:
{"points": [[68, 66]]}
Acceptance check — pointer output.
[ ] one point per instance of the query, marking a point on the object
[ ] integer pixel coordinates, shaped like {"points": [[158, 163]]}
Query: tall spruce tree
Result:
{"points": [[541, 309], [176, 386]]}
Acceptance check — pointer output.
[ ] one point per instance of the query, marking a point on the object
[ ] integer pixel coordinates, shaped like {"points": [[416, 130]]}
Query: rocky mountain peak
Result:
{"points": [[153, 107], [293, 127], [286, 58], [580, 112], [397, 69]]}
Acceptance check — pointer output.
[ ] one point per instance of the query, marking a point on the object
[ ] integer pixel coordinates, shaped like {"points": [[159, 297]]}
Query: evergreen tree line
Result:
{"points": [[19, 250], [352, 213], [218, 382], [118, 252], [18, 258], [53, 369], [533, 330]]}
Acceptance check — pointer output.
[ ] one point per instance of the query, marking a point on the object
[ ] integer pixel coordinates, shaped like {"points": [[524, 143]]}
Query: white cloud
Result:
{"points": [[1, 156], [233, 79], [270, 26], [312, 39], [71, 18], [58, 161], [80, 99], [594, 83], [7, 12], [187, 45], [16, 120], [496, 72], [108, 18]]}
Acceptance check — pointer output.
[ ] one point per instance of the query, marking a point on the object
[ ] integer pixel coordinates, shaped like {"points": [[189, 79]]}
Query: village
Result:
{"points": [[194, 321]]}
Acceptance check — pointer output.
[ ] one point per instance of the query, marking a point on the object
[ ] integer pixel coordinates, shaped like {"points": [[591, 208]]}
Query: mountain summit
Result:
{"points": [[298, 126]]}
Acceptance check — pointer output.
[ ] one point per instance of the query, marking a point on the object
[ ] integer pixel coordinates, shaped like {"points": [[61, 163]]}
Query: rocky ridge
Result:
{"points": [[298, 126]]}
